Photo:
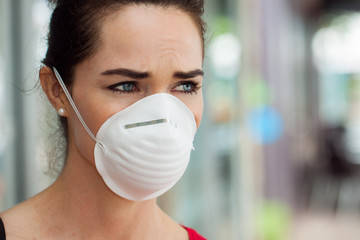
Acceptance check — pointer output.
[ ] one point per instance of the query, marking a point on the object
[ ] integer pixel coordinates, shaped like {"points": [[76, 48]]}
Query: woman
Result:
{"points": [[125, 77]]}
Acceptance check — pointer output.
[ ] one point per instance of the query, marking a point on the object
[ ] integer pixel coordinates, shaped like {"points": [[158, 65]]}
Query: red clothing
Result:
{"points": [[193, 235]]}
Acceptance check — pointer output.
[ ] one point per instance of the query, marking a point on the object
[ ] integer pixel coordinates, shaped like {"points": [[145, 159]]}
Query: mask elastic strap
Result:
{"points": [[74, 106]]}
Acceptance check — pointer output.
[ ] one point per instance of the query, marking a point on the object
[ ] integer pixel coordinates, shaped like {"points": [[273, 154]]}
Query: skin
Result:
{"points": [[164, 45]]}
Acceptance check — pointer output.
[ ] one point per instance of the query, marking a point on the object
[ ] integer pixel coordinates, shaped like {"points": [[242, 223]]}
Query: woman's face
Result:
{"points": [[144, 50]]}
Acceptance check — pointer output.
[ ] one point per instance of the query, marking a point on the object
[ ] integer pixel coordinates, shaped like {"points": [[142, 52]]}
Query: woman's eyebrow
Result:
{"points": [[140, 75], [190, 74], [126, 72]]}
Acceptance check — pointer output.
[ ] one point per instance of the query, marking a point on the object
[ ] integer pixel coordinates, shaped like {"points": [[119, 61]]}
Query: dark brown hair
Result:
{"points": [[75, 28]]}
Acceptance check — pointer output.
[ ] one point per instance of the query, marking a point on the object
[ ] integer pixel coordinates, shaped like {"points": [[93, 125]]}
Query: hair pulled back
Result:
{"points": [[75, 28]]}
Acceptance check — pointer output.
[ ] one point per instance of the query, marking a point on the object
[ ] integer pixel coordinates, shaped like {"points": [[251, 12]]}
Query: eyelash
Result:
{"points": [[194, 85], [114, 87]]}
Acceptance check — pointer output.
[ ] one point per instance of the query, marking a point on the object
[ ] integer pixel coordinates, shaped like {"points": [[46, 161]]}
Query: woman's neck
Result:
{"points": [[89, 208]]}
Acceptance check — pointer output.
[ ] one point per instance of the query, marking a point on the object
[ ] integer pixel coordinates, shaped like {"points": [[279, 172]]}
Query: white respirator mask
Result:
{"points": [[143, 150]]}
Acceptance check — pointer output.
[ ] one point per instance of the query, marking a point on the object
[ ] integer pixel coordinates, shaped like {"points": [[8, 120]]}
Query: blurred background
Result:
{"points": [[278, 152]]}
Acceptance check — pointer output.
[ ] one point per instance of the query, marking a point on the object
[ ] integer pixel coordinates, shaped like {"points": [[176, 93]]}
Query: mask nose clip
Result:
{"points": [[152, 122]]}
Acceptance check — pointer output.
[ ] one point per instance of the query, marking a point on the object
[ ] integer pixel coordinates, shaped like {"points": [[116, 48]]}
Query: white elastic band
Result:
{"points": [[58, 77]]}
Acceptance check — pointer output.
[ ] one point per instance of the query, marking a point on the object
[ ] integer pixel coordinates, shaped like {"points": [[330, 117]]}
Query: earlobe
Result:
{"points": [[52, 89]]}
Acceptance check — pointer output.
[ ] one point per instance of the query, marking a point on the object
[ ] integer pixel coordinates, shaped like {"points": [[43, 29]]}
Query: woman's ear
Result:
{"points": [[53, 90]]}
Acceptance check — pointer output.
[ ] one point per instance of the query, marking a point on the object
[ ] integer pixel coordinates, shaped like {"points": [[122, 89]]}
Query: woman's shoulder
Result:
{"points": [[15, 218], [21, 221]]}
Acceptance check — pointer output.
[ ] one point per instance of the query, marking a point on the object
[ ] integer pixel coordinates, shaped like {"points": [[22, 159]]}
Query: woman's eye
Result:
{"points": [[124, 87], [187, 87]]}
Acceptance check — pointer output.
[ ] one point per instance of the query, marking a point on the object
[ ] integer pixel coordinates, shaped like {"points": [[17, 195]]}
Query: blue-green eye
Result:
{"points": [[187, 87], [124, 87]]}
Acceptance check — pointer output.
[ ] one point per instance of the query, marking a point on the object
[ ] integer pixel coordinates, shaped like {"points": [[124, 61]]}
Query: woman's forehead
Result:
{"points": [[147, 31], [150, 22]]}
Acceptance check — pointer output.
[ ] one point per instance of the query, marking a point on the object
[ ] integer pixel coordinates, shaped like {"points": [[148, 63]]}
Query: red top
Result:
{"points": [[193, 235]]}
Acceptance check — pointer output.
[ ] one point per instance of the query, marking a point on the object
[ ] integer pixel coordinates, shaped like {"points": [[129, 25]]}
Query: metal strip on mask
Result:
{"points": [[157, 121]]}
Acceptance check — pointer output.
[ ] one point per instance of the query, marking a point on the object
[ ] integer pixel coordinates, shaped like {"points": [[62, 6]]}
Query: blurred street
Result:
{"points": [[316, 226]]}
